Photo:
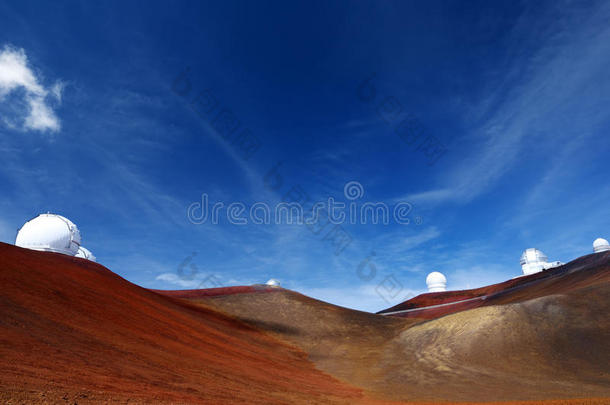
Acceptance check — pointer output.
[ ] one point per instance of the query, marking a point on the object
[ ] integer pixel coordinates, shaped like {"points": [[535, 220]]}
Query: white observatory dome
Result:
{"points": [[436, 282], [600, 245], [49, 233], [533, 261], [85, 254], [273, 283]]}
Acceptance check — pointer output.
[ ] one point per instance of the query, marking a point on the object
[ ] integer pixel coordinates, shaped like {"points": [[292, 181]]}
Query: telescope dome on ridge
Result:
{"points": [[534, 261], [436, 282], [50, 233], [85, 254], [600, 245], [273, 283]]}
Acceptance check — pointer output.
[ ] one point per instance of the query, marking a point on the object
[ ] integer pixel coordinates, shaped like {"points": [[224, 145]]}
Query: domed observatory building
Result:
{"points": [[436, 282], [50, 233], [273, 283], [534, 261], [84, 253], [600, 245]]}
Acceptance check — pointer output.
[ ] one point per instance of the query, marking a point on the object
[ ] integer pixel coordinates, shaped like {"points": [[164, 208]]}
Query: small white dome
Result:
{"points": [[600, 245], [85, 254], [273, 283], [436, 282], [49, 233]]}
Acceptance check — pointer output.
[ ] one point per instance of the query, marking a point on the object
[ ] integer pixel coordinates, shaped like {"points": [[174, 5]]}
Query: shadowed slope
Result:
{"points": [[544, 340], [73, 330], [341, 341]]}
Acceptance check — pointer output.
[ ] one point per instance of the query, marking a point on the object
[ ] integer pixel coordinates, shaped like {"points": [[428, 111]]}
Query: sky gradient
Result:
{"points": [[109, 115]]}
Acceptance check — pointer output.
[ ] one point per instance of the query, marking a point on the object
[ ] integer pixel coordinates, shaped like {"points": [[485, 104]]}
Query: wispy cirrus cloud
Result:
{"points": [[563, 76], [31, 104]]}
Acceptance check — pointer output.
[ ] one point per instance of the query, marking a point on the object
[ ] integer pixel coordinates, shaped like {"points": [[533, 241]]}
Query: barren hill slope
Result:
{"points": [[341, 341], [72, 331], [548, 339]]}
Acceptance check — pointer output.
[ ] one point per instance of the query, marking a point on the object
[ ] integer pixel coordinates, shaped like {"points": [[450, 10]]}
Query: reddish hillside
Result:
{"points": [[552, 281], [74, 331], [220, 291]]}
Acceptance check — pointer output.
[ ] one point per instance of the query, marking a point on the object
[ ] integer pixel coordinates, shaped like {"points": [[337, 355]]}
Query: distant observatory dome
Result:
{"points": [[85, 254], [49, 233], [533, 261], [273, 283], [600, 245], [436, 282]]}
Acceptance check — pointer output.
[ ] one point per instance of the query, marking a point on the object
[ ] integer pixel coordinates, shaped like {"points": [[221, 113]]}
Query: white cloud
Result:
{"points": [[174, 279], [57, 90], [15, 74], [194, 280], [430, 196]]}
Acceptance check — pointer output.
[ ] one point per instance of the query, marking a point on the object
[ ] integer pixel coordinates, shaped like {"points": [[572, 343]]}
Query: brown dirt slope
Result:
{"points": [[341, 341], [546, 340], [72, 331]]}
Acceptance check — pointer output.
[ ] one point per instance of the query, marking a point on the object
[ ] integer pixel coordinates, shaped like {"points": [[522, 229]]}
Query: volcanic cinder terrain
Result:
{"points": [[72, 331]]}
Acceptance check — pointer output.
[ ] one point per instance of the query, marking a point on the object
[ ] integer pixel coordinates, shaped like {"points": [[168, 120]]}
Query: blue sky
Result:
{"points": [[92, 127]]}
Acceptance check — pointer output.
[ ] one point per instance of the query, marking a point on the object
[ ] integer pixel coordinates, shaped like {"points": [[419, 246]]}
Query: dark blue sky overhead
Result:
{"points": [[516, 92]]}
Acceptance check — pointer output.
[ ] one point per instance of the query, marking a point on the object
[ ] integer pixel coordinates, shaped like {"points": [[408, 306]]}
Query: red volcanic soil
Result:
{"points": [[72, 331], [557, 280], [220, 291]]}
